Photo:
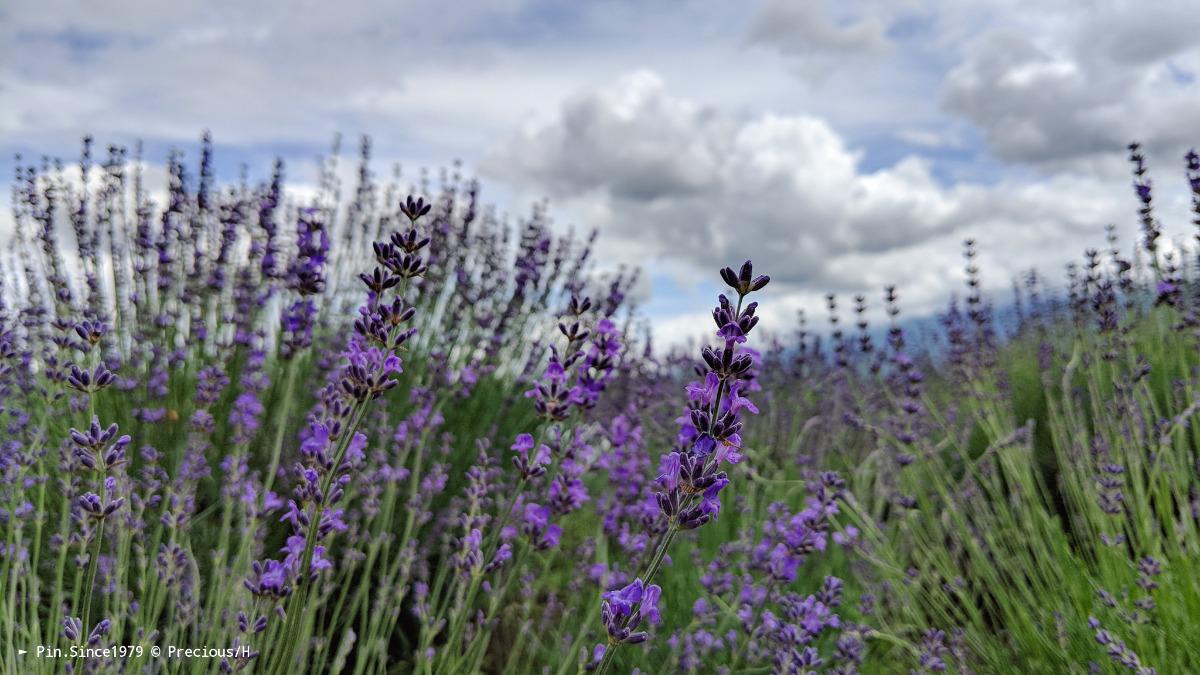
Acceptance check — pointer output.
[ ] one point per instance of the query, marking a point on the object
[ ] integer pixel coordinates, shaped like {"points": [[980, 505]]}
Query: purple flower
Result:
{"points": [[95, 507], [704, 394], [668, 476], [98, 632], [99, 448], [503, 555], [744, 281], [527, 466], [622, 611], [622, 601], [72, 628], [245, 416], [649, 606], [269, 579], [536, 525]]}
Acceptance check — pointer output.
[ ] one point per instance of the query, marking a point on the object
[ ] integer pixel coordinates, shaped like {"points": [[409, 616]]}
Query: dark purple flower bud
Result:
{"points": [[415, 208], [99, 632], [744, 281], [577, 306], [597, 656], [622, 611], [72, 628], [91, 332], [93, 506], [410, 242], [90, 382]]}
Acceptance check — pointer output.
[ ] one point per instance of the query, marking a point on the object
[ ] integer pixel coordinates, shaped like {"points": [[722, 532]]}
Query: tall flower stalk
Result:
{"points": [[334, 446], [690, 477]]}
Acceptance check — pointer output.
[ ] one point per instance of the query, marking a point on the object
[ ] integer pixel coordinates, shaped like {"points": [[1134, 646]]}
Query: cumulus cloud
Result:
{"points": [[707, 185], [272, 75], [1046, 84], [912, 126], [1071, 87], [669, 179]]}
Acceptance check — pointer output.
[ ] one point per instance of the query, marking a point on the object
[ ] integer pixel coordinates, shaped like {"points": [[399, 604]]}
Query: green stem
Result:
{"points": [[280, 432], [660, 555]]}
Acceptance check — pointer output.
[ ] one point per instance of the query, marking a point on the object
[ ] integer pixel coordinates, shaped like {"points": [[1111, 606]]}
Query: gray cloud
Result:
{"points": [[811, 177], [806, 29], [279, 73], [1071, 87], [1139, 33], [669, 179]]}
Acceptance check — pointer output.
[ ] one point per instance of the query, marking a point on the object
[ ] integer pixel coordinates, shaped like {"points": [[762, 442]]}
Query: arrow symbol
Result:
{"points": [[21, 652]]}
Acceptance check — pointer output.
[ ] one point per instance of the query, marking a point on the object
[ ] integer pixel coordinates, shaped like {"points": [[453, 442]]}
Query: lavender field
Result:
{"points": [[380, 429]]}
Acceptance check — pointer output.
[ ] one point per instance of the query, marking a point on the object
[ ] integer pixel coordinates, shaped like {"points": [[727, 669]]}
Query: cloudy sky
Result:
{"points": [[841, 145]]}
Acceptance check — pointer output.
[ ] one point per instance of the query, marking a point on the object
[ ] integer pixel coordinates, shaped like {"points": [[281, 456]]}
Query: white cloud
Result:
{"points": [[668, 179], [1034, 100], [1065, 88]]}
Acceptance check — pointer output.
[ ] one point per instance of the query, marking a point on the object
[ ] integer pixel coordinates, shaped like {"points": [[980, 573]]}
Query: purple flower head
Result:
{"points": [[503, 555], [553, 398], [729, 451], [530, 467], [622, 601], [93, 506], [536, 525], [668, 472], [622, 611], [567, 491], [99, 447], [536, 516], [469, 556], [732, 333], [315, 441], [295, 556], [649, 606], [704, 394], [72, 628], [355, 449], [554, 371], [598, 653], [737, 402], [98, 632], [710, 499], [268, 579], [245, 415], [297, 324], [367, 375], [90, 382], [550, 538], [312, 243], [415, 208], [744, 281], [782, 564], [91, 332]]}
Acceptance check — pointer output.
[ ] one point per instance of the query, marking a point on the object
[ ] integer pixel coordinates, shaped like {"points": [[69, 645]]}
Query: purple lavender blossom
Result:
{"points": [[622, 611]]}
